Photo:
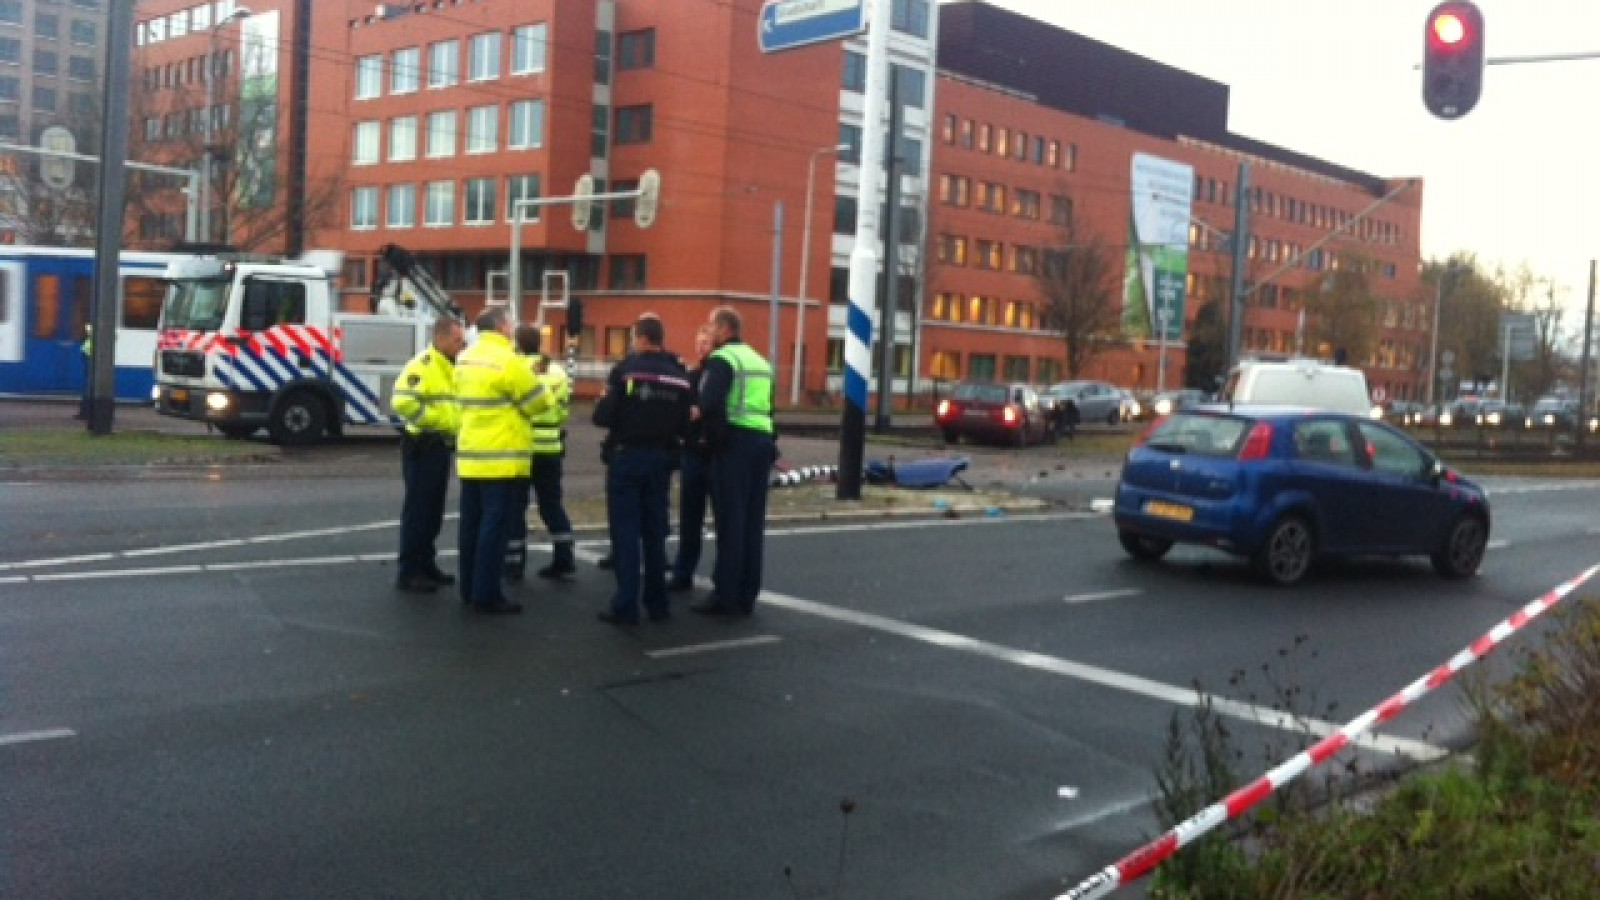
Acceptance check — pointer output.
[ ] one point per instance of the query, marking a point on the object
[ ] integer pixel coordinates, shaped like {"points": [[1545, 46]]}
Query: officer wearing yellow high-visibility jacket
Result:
{"points": [[499, 396], [425, 402], [549, 429]]}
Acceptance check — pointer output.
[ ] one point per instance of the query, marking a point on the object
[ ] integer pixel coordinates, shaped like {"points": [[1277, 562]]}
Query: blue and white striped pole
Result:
{"points": [[864, 256]]}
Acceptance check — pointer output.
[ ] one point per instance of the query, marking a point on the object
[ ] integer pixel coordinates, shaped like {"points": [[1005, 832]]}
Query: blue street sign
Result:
{"points": [[786, 24]]}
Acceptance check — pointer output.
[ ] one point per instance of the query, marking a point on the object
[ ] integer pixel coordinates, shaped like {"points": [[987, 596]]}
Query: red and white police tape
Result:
{"points": [[1136, 864], [803, 474]]}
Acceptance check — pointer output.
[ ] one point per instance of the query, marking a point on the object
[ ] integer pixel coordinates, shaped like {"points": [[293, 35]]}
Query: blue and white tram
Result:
{"points": [[46, 297]]}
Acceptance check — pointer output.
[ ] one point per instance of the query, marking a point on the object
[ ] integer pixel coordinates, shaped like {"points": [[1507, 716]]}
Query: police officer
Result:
{"points": [[736, 415], [424, 399], [694, 485], [88, 372], [549, 430], [646, 406], [499, 396]]}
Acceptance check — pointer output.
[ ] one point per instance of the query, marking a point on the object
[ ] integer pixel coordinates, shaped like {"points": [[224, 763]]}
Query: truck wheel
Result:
{"points": [[237, 431], [300, 419]]}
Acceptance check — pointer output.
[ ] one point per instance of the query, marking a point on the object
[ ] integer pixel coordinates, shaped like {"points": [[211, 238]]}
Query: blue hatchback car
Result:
{"points": [[1282, 486]]}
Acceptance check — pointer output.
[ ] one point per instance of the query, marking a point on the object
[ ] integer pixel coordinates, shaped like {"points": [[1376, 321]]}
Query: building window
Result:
{"points": [[1025, 204], [945, 365], [835, 355], [844, 215], [1049, 370], [628, 272], [599, 130], [442, 134], [850, 140], [11, 51], [634, 124], [990, 255], [45, 62], [83, 32], [1061, 210], [364, 209], [519, 188], [528, 49], [913, 86], [1017, 368], [985, 137], [402, 206], [480, 201], [403, 139], [947, 131], [1070, 160], [909, 152], [980, 367], [623, 207], [617, 340], [485, 57], [909, 17], [44, 99], [365, 144], [527, 124], [853, 77], [1025, 260], [1002, 142], [11, 12], [10, 87], [48, 26], [369, 77], [952, 249], [966, 134], [444, 64], [636, 49], [440, 205], [483, 129], [405, 72]]}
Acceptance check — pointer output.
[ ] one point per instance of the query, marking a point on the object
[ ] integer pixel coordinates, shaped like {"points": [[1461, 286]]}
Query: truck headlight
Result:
{"points": [[217, 402]]}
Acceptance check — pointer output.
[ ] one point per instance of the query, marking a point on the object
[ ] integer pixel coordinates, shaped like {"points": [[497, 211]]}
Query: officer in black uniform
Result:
{"points": [[646, 407]]}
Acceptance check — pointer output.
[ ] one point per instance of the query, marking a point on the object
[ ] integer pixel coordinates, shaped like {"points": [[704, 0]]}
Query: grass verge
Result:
{"points": [[47, 447]]}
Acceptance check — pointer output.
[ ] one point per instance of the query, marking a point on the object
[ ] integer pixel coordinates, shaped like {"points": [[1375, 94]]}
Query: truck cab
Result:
{"points": [[250, 343]]}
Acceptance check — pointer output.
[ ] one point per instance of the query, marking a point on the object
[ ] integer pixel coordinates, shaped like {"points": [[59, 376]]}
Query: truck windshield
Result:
{"points": [[195, 305]]}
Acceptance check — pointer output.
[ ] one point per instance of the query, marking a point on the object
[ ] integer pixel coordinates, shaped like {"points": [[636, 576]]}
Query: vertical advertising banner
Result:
{"points": [[256, 154], [1158, 248]]}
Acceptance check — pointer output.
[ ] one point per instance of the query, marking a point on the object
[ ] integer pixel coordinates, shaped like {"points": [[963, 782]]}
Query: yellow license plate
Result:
{"points": [[179, 396], [1169, 511]]}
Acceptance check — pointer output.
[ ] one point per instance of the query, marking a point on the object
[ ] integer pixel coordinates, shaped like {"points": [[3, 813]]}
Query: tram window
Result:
{"points": [[82, 298], [47, 306], [5, 296], [141, 302]]}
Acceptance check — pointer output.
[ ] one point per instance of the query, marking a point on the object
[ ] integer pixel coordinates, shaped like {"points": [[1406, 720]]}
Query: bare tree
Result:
{"points": [[1077, 282], [39, 212], [247, 212], [1342, 314]]}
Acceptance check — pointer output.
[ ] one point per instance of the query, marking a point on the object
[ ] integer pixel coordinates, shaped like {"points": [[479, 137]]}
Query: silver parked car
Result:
{"points": [[1095, 401]]}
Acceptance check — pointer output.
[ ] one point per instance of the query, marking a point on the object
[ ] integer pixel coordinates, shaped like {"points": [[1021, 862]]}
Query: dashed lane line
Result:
{"points": [[714, 646], [32, 737], [1077, 599]]}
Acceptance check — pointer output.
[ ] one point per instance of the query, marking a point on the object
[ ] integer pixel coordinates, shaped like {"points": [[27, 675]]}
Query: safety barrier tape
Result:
{"points": [[1136, 864], [803, 474]]}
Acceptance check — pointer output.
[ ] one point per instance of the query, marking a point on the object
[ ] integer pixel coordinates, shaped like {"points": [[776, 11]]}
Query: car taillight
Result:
{"points": [[943, 410], [1258, 444], [1011, 415], [1155, 423]]}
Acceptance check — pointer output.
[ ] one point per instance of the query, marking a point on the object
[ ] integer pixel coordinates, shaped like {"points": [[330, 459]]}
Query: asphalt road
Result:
{"points": [[211, 691]]}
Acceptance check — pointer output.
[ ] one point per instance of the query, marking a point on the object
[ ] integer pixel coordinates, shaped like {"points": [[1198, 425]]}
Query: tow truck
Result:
{"points": [[247, 343]]}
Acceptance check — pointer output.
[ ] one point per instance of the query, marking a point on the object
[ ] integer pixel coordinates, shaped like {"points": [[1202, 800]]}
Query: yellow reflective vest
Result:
{"points": [[499, 396], [425, 396], [750, 394], [547, 425]]}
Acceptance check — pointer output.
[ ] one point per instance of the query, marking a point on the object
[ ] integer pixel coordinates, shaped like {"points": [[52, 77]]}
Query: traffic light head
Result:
{"points": [[574, 317], [1452, 61]]}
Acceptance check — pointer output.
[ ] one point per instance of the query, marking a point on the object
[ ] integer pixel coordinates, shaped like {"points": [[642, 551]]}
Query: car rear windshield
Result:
{"points": [[1199, 435], [981, 393]]}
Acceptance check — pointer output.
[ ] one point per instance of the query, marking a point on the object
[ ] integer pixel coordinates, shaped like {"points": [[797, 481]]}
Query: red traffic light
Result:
{"points": [[1453, 59], [1449, 28]]}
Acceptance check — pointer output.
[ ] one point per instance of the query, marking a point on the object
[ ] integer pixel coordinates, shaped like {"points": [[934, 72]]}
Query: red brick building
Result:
{"points": [[352, 126]]}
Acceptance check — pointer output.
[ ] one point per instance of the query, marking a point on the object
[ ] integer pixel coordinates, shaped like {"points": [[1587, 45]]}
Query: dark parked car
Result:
{"points": [[1004, 412], [1282, 487], [1553, 412], [1494, 414], [1169, 402]]}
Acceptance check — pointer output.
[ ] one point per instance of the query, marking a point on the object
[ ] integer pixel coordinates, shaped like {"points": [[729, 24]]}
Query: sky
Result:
{"points": [[1515, 181]]}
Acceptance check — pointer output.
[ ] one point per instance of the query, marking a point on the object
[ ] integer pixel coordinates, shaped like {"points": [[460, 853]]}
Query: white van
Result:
{"points": [[1298, 382]]}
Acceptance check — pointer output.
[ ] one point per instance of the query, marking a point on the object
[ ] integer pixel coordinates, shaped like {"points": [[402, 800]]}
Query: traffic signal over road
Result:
{"points": [[1452, 62]]}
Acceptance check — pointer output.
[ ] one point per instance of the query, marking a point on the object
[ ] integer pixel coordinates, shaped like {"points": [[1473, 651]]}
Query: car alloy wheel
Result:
{"points": [[1464, 545], [1285, 556]]}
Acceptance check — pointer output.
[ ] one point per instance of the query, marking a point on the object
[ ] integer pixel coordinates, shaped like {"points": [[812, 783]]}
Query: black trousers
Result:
{"points": [[425, 466]]}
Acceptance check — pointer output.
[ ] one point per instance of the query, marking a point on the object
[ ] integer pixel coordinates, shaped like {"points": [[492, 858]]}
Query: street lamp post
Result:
{"points": [[239, 13], [805, 272]]}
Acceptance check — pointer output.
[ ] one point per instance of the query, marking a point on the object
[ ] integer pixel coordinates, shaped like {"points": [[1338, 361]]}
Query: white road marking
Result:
{"points": [[1103, 595], [1497, 544], [1120, 681], [29, 737], [713, 646], [116, 573]]}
